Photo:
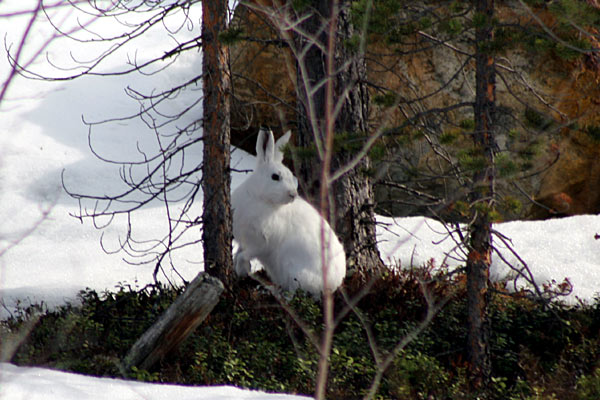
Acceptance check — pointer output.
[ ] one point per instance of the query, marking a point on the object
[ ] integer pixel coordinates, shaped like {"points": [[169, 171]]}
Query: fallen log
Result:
{"points": [[175, 324]]}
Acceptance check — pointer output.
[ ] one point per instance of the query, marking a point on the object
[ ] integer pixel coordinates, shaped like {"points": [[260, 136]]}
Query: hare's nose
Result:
{"points": [[293, 193]]}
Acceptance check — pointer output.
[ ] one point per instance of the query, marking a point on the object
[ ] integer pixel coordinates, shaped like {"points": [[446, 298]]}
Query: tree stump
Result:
{"points": [[175, 324]]}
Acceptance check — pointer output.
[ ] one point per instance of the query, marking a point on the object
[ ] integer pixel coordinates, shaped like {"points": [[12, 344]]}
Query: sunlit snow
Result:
{"points": [[48, 255]]}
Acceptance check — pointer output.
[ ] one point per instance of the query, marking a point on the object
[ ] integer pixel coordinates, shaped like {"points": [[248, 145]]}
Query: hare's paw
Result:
{"points": [[241, 265]]}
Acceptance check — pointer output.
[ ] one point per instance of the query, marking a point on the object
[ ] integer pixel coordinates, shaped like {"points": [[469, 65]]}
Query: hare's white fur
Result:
{"points": [[272, 224]]}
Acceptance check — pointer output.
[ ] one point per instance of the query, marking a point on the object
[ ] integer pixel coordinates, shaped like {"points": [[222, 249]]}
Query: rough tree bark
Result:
{"points": [[352, 193], [202, 294], [216, 177], [315, 66], [482, 198]]}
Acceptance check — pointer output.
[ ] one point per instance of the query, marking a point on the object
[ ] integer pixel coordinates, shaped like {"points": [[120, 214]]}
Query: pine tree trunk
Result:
{"points": [[482, 198], [202, 294], [216, 176], [352, 193], [311, 107]]}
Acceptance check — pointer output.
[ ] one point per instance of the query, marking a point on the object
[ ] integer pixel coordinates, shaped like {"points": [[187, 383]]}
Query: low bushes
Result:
{"points": [[250, 341]]}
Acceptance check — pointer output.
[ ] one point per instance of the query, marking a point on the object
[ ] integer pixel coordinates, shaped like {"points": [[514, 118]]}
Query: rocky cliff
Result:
{"points": [[549, 112]]}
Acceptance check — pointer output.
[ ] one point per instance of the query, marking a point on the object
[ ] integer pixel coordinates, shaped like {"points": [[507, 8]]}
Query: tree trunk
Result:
{"points": [[202, 294], [354, 217], [176, 324], [311, 107], [482, 201], [216, 176]]}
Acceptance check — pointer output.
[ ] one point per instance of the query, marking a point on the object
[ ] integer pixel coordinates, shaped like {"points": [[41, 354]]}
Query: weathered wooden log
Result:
{"points": [[175, 324]]}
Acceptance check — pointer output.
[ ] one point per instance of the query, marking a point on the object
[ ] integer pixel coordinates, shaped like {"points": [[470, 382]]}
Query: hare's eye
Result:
{"points": [[275, 177]]}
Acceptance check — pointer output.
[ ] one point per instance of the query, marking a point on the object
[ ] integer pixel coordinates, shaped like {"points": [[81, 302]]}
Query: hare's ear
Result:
{"points": [[260, 146], [280, 144], [270, 150]]}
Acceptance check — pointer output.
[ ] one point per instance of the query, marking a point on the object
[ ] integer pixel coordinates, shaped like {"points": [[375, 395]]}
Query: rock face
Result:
{"points": [[556, 103], [264, 75], [572, 185]]}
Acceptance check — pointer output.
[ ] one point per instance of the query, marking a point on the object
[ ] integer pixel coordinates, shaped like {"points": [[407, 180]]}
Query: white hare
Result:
{"points": [[272, 224]]}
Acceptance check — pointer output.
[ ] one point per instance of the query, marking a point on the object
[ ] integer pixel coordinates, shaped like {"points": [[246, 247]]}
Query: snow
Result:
{"points": [[554, 249], [46, 255], [37, 383]]}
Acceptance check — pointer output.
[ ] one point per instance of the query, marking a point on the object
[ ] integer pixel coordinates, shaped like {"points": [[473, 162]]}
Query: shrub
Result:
{"points": [[418, 376], [588, 386], [538, 351]]}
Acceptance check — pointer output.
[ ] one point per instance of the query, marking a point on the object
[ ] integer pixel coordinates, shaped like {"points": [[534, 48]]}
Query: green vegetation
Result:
{"points": [[506, 166], [536, 119], [231, 36], [568, 11], [471, 159], [386, 100], [593, 132], [248, 340]]}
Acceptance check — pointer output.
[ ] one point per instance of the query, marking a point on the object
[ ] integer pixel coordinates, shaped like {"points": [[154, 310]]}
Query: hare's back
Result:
{"points": [[310, 242]]}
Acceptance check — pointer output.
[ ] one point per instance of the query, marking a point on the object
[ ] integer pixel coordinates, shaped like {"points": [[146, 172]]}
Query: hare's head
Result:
{"points": [[274, 182]]}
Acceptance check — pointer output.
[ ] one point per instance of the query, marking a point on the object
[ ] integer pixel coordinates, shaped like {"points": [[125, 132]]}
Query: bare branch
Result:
{"points": [[17, 57]]}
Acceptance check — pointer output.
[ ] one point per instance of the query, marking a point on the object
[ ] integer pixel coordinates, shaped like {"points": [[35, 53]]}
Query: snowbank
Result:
{"points": [[18, 383]]}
